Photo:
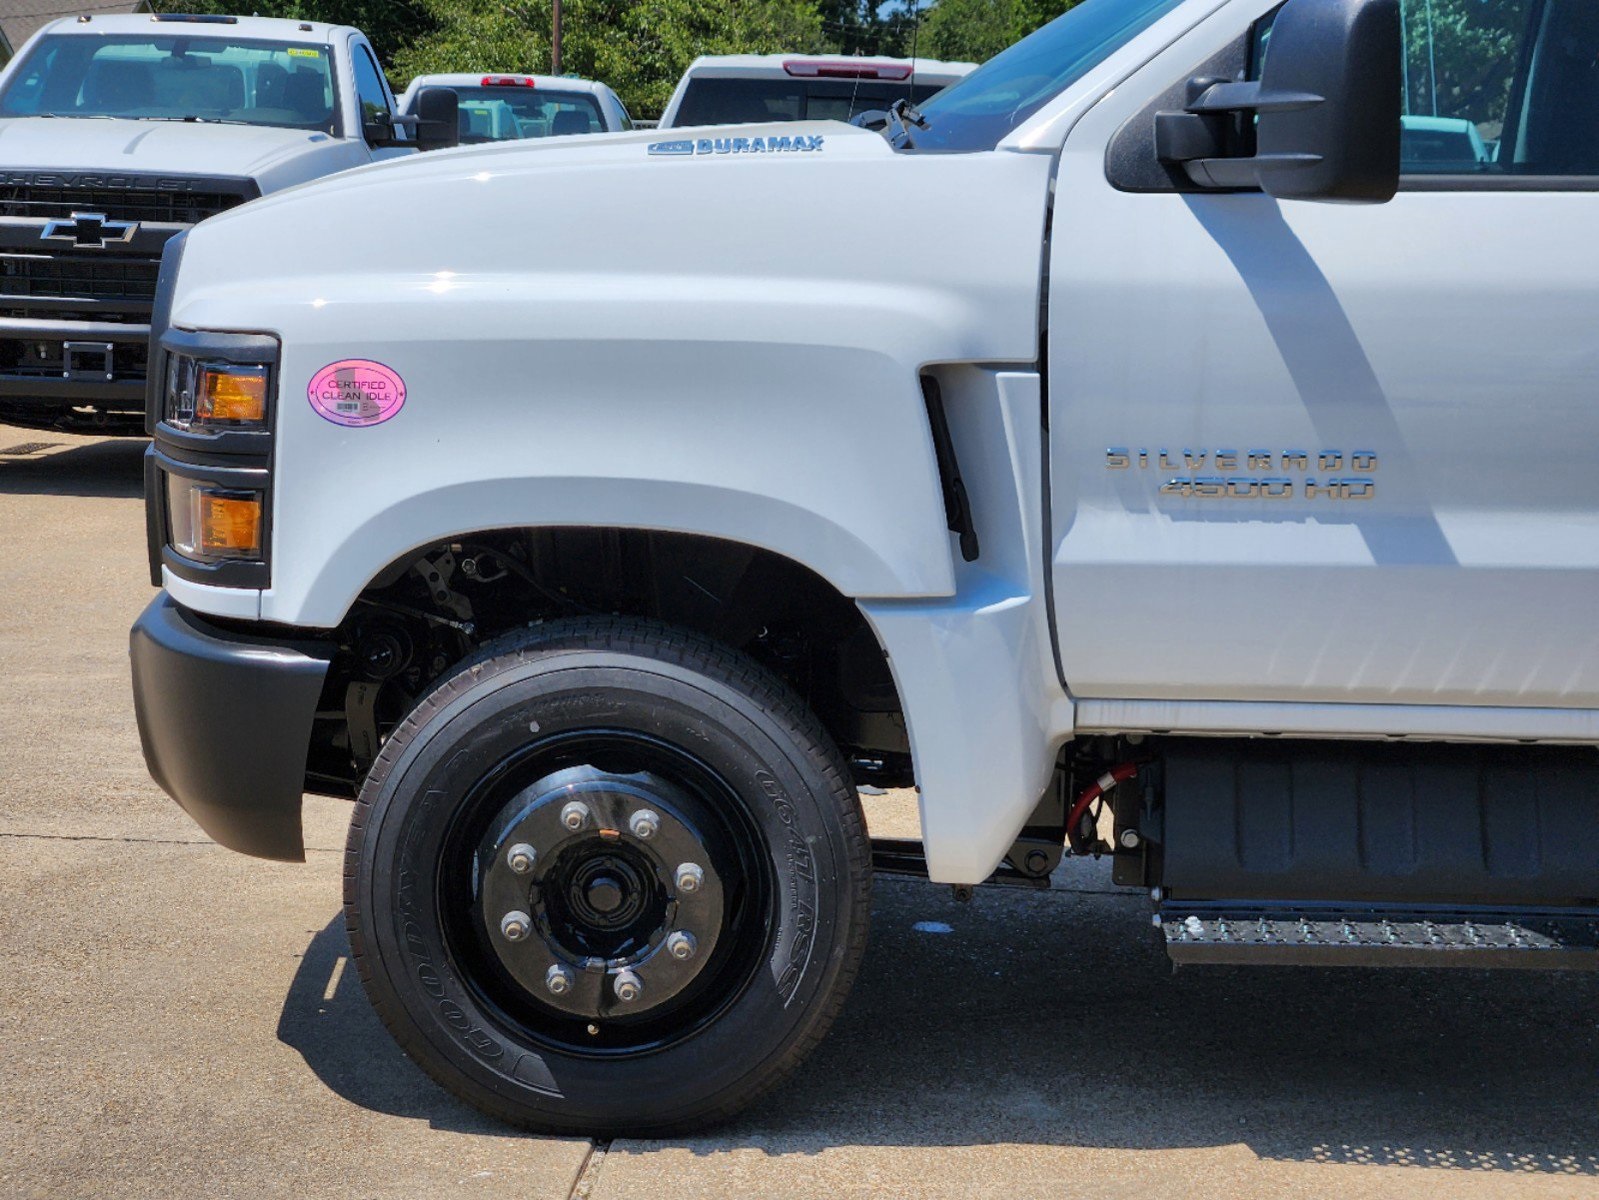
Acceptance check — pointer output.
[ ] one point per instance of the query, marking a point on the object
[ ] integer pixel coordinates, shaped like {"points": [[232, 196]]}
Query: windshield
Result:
{"points": [[722, 101], [501, 114], [976, 112], [183, 78]]}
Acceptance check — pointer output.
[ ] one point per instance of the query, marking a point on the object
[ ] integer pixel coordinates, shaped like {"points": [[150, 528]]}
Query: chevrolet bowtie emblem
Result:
{"points": [[89, 230]]}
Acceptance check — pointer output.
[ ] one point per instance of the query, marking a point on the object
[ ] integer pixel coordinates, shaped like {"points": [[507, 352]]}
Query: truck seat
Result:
{"points": [[118, 87], [569, 121], [306, 94]]}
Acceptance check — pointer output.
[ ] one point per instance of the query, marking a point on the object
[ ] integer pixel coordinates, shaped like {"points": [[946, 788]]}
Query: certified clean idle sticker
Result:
{"points": [[356, 392]]}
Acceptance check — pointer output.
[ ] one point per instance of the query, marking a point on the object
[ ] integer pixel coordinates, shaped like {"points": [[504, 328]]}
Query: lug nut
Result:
{"points": [[558, 980], [627, 986], [644, 824], [681, 945], [689, 877], [1130, 839], [521, 858], [575, 815], [514, 926]]}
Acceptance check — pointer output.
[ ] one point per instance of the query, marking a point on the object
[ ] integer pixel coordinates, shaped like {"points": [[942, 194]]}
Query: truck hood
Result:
{"points": [[798, 210], [640, 152], [270, 156]]}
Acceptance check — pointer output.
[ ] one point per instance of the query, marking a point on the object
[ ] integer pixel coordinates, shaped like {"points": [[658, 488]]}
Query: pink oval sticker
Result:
{"points": [[356, 392]]}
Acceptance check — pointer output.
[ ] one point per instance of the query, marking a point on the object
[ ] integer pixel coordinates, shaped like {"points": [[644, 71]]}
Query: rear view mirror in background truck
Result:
{"points": [[437, 113], [1320, 123]]}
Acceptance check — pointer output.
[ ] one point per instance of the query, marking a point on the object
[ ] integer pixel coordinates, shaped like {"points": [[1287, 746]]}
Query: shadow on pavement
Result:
{"points": [[1054, 1020], [327, 1019], [110, 468]]}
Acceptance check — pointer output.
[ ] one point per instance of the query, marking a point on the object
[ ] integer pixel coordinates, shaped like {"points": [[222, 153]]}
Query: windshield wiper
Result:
{"points": [[905, 115], [894, 122]]}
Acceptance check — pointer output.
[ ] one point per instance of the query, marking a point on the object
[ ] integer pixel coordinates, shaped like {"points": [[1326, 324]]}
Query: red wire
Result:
{"points": [[1120, 773]]}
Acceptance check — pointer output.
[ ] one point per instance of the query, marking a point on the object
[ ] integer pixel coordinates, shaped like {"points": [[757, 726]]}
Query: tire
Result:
{"points": [[617, 716]]}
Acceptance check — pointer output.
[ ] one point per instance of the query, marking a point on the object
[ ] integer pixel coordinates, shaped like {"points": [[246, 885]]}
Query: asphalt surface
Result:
{"points": [[176, 1020]]}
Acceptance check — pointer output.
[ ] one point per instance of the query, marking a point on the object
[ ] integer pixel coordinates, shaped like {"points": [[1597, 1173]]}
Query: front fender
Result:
{"points": [[807, 537]]}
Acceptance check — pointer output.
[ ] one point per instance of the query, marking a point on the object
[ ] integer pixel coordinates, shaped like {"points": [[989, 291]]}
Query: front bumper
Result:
{"points": [[225, 719], [58, 364]]}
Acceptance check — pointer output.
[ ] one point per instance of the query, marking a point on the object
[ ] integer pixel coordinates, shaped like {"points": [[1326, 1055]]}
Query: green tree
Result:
{"points": [[641, 48], [1460, 57], [976, 30], [389, 24], [657, 39]]}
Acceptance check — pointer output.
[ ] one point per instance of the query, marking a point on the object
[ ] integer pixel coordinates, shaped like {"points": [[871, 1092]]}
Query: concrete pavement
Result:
{"points": [[177, 1020]]}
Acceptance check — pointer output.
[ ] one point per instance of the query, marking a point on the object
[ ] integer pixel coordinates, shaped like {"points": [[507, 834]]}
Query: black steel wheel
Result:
{"points": [[608, 878]]}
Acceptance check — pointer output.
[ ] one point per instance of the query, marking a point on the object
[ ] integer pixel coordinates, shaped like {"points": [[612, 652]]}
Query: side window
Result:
{"points": [[1462, 60], [369, 86], [1555, 100], [1499, 88]]}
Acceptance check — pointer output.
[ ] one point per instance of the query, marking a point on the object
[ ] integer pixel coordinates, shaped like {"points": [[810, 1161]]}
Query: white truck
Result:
{"points": [[117, 132], [739, 89], [501, 106], [1173, 473]]}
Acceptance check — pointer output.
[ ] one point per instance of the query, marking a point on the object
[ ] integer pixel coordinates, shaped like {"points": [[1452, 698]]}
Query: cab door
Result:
{"points": [[1311, 452], [375, 107]]}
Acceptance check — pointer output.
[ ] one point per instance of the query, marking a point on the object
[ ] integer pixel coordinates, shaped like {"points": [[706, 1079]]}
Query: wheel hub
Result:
{"points": [[614, 932]]}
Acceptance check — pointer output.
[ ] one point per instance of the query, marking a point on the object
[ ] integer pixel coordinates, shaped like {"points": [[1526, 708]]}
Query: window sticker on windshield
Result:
{"points": [[304, 52], [356, 392]]}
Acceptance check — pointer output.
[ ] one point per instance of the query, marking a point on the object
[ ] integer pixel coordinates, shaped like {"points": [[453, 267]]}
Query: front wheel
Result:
{"points": [[608, 878]]}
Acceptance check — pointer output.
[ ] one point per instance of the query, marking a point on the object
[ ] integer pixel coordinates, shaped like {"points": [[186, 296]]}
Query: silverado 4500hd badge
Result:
{"points": [[1272, 475], [691, 147]]}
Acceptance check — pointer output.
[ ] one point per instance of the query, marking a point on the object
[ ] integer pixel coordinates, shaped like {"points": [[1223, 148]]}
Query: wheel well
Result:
{"points": [[433, 607]]}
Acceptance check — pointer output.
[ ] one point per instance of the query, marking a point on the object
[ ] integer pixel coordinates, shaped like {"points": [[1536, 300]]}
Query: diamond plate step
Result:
{"points": [[1367, 937]]}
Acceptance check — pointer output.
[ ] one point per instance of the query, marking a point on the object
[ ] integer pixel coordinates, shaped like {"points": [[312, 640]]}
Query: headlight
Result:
{"points": [[210, 523], [211, 407], [206, 395]]}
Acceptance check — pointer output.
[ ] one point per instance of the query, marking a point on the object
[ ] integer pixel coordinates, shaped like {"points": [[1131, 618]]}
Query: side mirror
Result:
{"points": [[377, 129], [438, 121], [1322, 121]]}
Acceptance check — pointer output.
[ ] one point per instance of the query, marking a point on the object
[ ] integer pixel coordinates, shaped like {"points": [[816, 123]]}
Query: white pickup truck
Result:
{"points": [[1160, 467], [737, 89], [116, 132], [502, 106]]}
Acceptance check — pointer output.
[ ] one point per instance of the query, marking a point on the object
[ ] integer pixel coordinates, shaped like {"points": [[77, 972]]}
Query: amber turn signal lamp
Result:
{"points": [[236, 394], [230, 524]]}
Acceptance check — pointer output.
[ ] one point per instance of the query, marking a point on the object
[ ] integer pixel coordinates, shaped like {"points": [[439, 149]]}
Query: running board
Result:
{"points": [[1320, 935]]}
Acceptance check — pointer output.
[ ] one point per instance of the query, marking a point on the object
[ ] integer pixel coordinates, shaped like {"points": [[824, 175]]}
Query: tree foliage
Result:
{"points": [[642, 47], [1460, 56], [976, 30], [389, 24]]}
